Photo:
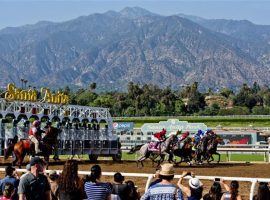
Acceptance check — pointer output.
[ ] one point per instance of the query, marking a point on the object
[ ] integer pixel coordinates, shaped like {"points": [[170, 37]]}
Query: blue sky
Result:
{"points": [[20, 12]]}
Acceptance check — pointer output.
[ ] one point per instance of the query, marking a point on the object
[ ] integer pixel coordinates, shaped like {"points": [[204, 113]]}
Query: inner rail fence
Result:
{"points": [[150, 177], [229, 150]]}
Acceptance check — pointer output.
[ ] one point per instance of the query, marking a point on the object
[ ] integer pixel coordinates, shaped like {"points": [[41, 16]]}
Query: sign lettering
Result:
{"points": [[14, 93]]}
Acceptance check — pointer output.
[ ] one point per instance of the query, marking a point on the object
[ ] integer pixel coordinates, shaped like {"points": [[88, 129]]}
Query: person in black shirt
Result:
{"points": [[119, 188]]}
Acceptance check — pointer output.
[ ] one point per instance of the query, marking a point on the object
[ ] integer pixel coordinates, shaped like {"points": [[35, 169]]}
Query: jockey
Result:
{"points": [[159, 137], [184, 136], [198, 137], [208, 132], [35, 135]]}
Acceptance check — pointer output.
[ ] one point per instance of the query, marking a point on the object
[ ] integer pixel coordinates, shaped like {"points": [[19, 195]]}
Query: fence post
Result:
{"points": [[253, 184], [150, 177]]}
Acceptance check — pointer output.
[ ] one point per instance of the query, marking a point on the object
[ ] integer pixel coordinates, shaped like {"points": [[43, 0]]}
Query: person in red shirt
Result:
{"points": [[35, 135]]}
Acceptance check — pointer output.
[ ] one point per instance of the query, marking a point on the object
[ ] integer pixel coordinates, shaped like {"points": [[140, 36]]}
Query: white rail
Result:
{"points": [[266, 152], [149, 177]]}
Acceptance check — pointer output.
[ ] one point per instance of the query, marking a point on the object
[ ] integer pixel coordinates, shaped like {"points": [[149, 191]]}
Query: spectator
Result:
{"points": [[70, 185], [34, 185], [263, 192], [164, 189], [11, 177], [8, 192], [118, 187], [113, 196], [53, 178], [214, 192], [94, 188], [133, 193], [28, 170], [232, 191], [195, 189]]}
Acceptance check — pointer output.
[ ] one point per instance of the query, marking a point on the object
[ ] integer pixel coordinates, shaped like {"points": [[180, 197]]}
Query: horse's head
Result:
{"points": [[219, 140], [188, 143]]}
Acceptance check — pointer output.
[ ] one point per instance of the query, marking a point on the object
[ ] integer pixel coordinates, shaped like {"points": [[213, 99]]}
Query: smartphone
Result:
{"points": [[217, 179], [189, 174]]}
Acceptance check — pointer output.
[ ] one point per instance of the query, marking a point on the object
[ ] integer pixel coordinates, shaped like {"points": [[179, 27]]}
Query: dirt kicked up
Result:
{"points": [[222, 169]]}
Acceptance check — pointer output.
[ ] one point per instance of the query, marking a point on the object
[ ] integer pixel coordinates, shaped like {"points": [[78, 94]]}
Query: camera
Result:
{"points": [[217, 179]]}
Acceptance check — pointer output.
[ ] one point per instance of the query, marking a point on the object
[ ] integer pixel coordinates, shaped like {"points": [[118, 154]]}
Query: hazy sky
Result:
{"points": [[21, 12]]}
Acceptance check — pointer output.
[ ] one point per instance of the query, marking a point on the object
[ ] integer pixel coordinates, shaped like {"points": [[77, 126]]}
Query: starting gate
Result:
{"points": [[82, 130]]}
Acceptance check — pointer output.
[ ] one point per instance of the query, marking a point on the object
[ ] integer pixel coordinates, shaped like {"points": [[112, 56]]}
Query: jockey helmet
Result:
{"points": [[200, 132], [208, 131], [36, 123]]}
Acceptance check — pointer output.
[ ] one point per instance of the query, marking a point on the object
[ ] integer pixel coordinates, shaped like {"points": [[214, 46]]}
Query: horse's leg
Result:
{"points": [[140, 159], [210, 157], [15, 160], [20, 159], [218, 157]]}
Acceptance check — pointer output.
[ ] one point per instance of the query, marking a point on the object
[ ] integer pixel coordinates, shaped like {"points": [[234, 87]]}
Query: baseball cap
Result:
{"points": [[36, 160]]}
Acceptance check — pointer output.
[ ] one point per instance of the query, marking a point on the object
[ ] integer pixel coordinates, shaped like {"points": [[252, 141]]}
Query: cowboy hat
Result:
{"points": [[167, 169]]}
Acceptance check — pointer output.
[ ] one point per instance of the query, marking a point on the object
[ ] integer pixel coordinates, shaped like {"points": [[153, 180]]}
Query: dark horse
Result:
{"points": [[212, 148], [26, 147], [184, 151]]}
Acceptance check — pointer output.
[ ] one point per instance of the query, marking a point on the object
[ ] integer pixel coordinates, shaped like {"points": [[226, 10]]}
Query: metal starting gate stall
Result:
{"points": [[85, 130]]}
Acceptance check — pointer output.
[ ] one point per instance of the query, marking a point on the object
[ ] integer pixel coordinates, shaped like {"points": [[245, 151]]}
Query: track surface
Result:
{"points": [[222, 169]]}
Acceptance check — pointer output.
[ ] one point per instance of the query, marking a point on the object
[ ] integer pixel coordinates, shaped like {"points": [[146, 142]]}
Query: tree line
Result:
{"points": [[151, 100]]}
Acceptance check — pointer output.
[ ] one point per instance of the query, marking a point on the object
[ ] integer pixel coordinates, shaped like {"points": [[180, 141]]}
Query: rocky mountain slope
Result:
{"points": [[136, 45]]}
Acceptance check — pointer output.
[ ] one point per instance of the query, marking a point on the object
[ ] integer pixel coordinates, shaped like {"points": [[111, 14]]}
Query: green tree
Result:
{"points": [[92, 86]]}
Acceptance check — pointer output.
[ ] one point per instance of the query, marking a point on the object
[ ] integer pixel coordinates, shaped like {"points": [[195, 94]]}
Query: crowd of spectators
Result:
{"points": [[35, 184]]}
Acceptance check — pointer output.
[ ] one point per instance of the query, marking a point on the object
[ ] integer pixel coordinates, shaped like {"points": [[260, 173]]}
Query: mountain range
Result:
{"points": [[114, 48]]}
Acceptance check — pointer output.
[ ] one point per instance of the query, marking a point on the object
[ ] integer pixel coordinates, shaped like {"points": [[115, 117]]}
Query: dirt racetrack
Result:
{"points": [[222, 169]]}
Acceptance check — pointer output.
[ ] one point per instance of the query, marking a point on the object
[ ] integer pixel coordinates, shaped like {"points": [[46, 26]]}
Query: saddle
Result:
{"points": [[28, 144], [152, 146]]}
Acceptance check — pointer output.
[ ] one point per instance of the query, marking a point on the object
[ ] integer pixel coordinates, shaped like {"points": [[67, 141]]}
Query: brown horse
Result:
{"points": [[212, 148], [184, 151], [26, 147]]}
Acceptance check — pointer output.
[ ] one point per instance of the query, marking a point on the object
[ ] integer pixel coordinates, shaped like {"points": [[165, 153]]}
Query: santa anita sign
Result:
{"points": [[13, 94], [172, 125]]}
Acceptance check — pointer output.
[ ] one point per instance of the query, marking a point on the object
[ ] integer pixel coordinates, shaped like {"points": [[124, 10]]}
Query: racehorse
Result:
{"points": [[201, 149], [184, 151], [212, 148], [26, 147], [146, 151]]}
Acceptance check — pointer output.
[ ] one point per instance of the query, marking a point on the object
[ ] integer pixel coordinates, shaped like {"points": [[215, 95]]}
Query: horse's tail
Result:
{"points": [[9, 150], [134, 149]]}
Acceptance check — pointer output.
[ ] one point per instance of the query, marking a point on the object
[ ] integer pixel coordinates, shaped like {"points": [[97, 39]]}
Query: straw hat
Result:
{"points": [[167, 169], [195, 183]]}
